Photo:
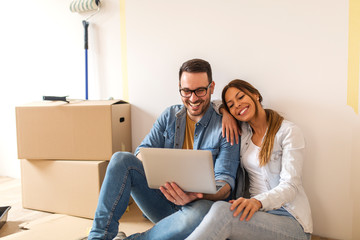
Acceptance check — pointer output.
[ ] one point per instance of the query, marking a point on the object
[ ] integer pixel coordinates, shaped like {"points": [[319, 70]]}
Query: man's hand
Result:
{"points": [[248, 206], [175, 194], [230, 127]]}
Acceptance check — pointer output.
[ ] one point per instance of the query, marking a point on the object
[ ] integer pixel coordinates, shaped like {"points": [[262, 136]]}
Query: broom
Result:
{"points": [[85, 6]]}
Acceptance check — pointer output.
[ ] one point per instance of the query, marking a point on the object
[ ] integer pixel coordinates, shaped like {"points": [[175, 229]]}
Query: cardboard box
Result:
{"points": [[54, 227], [79, 130], [60, 227], [62, 186]]}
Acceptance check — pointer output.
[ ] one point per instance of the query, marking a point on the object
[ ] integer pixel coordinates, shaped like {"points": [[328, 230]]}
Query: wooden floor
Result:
{"points": [[10, 192], [10, 195]]}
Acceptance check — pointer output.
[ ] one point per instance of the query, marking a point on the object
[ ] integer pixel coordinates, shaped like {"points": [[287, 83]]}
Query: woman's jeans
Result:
{"points": [[220, 224], [124, 176]]}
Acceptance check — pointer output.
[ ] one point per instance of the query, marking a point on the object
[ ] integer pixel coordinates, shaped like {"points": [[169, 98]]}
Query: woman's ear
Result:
{"points": [[255, 96]]}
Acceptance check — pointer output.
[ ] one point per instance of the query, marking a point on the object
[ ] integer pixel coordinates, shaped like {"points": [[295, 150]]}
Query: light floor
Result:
{"points": [[10, 195]]}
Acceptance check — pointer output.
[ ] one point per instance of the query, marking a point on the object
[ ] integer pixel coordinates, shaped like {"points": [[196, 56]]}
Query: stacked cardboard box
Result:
{"points": [[64, 149]]}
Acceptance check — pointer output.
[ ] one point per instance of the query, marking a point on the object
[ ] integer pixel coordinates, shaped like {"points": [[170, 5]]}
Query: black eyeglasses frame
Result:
{"points": [[194, 91]]}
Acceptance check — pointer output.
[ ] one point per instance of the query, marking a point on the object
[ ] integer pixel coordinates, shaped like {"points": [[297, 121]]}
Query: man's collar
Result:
{"points": [[207, 116], [204, 120]]}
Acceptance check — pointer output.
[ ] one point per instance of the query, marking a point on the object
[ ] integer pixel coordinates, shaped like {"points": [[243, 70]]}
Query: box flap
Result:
{"points": [[96, 102], [73, 102]]}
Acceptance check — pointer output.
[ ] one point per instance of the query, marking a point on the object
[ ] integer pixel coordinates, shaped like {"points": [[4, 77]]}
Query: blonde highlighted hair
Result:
{"points": [[273, 118]]}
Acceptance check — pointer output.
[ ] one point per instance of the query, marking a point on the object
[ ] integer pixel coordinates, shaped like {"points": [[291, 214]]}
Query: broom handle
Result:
{"points": [[86, 75], [86, 47], [86, 25]]}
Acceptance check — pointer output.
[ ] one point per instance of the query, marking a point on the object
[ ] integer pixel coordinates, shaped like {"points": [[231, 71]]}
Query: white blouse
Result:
{"points": [[251, 164]]}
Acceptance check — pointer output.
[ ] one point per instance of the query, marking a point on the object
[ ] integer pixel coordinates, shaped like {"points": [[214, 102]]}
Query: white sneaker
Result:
{"points": [[120, 236]]}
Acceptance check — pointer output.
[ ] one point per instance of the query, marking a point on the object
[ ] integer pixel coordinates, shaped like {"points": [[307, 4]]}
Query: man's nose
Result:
{"points": [[193, 97]]}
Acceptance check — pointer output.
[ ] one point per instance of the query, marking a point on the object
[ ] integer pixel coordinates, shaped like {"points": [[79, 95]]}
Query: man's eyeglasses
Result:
{"points": [[199, 92]]}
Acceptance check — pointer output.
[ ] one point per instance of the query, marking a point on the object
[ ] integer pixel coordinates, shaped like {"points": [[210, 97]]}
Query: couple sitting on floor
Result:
{"points": [[263, 196]]}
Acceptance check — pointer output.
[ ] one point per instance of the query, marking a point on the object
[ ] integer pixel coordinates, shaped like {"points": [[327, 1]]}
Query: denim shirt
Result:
{"points": [[169, 131], [282, 174]]}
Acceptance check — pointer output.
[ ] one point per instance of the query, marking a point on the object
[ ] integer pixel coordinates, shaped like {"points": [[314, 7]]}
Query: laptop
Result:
{"points": [[191, 170]]}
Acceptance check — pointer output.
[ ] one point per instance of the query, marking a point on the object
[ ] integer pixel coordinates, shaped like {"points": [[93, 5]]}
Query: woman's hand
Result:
{"points": [[175, 194], [230, 127], [247, 206]]}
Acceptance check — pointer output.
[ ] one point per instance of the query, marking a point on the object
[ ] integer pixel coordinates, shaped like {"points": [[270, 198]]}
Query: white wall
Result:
{"points": [[42, 53], [294, 52]]}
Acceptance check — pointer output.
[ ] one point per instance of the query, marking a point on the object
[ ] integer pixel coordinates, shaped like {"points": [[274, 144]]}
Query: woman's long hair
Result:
{"points": [[273, 118]]}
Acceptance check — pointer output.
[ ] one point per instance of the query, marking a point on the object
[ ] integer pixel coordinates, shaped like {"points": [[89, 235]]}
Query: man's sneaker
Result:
{"points": [[120, 236]]}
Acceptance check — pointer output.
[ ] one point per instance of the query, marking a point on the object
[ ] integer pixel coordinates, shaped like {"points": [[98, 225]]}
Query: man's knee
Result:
{"points": [[195, 212], [121, 160]]}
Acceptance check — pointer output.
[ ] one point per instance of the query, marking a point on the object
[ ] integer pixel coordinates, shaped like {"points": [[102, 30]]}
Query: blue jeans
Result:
{"points": [[220, 224], [124, 176]]}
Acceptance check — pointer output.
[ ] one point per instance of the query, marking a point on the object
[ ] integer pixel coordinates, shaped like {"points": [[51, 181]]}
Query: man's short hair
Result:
{"points": [[196, 66]]}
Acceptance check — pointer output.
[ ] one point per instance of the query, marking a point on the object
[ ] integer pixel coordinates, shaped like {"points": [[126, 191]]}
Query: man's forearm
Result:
{"points": [[222, 194]]}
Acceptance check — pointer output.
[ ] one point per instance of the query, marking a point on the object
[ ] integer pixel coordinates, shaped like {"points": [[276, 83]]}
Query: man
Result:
{"points": [[193, 125]]}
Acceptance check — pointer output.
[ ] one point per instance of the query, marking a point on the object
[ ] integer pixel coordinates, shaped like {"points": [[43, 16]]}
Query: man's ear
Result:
{"points": [[212, 87]]}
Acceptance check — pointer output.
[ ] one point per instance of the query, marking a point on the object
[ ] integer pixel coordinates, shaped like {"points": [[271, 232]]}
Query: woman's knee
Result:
{"points": [[220, 207]]}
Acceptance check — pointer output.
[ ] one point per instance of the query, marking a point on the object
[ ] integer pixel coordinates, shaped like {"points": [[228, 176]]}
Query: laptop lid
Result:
{"points": [[191, 170]]}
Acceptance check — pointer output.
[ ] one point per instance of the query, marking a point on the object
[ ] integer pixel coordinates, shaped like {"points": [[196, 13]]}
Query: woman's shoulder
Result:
{"points": [[287, 125], [290, 132]]}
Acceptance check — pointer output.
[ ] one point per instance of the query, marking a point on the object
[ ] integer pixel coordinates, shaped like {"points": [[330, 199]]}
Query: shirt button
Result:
{"points": [[195, 135]]}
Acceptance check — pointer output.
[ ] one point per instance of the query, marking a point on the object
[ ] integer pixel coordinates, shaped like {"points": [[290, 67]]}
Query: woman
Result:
{"points": [[271, 153]]}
